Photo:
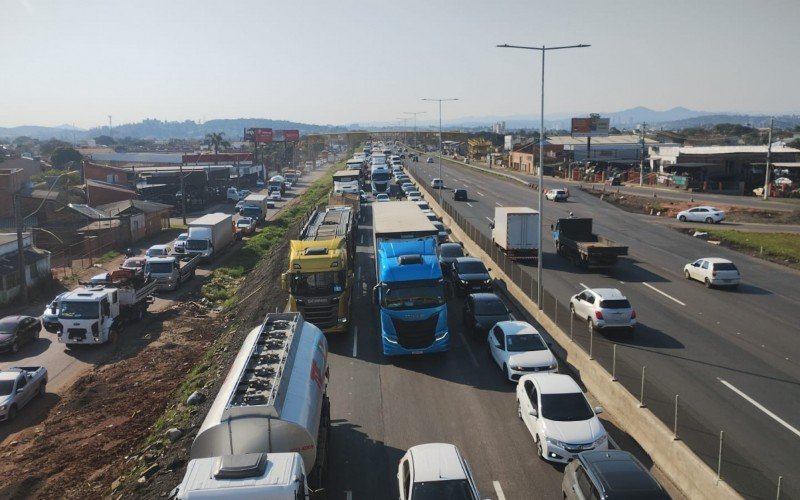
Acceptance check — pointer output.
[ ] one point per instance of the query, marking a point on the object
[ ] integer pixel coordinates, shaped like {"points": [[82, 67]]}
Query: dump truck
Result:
{"points": [[210, 235], [97, 313], [320, 275], [170, 272], [516, 231], [266, 433], [575, 241]]}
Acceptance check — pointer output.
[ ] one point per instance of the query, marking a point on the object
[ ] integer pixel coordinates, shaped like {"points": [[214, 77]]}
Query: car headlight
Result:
{"points": [[463, 281], [552, 366], [556, 442], [487, 281], [3, 407], [600, 441], [517, 368]]}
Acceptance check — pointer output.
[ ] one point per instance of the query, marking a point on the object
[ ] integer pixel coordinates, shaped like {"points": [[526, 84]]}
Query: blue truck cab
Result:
{"points": [[410, 296]]}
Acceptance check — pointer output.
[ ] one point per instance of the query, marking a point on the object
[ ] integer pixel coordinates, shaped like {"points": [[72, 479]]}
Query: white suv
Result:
{"points": [[603, 308], [559, 417], [435, 470], [713, 271]]}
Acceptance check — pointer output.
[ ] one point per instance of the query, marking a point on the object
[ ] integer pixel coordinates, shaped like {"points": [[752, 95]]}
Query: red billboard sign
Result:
{"points": [[291, 135], [269, 135], [590, 127]]}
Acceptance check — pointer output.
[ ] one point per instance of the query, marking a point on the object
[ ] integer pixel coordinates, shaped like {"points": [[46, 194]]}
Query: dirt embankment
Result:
{"points": [[670, 208], [94, 443]]}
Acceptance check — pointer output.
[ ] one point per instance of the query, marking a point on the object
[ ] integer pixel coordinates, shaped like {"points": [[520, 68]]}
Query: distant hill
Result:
{"points": [[43, 133], [233, 128]]}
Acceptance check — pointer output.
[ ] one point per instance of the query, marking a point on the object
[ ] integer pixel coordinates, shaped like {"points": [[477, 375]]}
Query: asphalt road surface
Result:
{"points": [[731, 356]]}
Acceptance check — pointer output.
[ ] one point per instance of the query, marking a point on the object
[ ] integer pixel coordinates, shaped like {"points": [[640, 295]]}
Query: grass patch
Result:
{"points": [[108, 256], [780, 247]]}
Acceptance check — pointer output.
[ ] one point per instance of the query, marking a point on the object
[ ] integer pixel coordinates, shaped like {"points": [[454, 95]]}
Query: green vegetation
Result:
{"points": [[783, 247], [108, 256], [64, 156]]}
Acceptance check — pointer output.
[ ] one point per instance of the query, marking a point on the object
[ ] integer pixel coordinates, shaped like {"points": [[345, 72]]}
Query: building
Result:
{"points": [[499, 128], [525, 156], [625, 148], [101, 193], [11, 180], [106, 173], [37, 265], [139, 218], [478, 148]]}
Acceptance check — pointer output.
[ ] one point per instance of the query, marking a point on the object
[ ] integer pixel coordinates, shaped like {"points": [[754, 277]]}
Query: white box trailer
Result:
{"points": [[210, 235], [516, 231], [271, 413]]}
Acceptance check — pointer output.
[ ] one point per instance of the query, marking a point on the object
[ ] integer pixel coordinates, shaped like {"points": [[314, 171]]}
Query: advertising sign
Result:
{"points": [[590, 127], [258, 135]]}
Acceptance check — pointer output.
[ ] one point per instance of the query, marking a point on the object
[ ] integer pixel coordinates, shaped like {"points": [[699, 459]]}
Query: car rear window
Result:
{"points": [[615, 304], [725, 266], [451, 251], [490, 307], [624, 476]]}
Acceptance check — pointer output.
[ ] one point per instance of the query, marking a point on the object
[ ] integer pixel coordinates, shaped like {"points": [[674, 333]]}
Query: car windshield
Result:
{"points": [[153, 252], [725, 266], [243, 222], [159, 268], [8, 326], [571, 407], [196, 244], [317, 284], [134, 263], [615, 304], [493, 307], [420, 294], [183, 237], [381, 176], [6, 386], [526, 342], [453, 489], [451, 251], [471, 267], [79, 310]]}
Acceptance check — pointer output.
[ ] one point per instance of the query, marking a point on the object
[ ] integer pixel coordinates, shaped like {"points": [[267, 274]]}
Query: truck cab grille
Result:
{"points": [[416, 334]]}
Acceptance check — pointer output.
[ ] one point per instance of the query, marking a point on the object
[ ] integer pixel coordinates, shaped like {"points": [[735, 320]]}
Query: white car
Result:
{"points": [[158, 251], [381, 197], [423, 205], [275, 195], [437, 183], [180, 243], [603, 308], [435, 470], [709, 215], [558, 416], [713, 271], [556, 194], [518, 348]]}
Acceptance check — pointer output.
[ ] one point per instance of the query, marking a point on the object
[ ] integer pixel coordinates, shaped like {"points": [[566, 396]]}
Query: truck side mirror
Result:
{"points": [[375, 293], [284, 281], [552, 227]]}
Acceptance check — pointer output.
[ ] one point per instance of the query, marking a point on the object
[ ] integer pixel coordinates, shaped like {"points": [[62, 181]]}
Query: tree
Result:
{"points": [[105, 140], [794, 144], [216, 141], [64, 156], [49, 147]]}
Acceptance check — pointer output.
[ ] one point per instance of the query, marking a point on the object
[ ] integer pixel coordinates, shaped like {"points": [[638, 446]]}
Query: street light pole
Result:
{"points": [[415, 113], [543, 50], [441, 150]]}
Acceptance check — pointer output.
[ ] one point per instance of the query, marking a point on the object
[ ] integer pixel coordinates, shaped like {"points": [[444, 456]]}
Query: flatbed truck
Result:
{"points": [[576, 242]]}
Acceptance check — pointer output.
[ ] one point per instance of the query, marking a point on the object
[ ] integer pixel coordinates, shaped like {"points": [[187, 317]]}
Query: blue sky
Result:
{"points": [[341, 62]]}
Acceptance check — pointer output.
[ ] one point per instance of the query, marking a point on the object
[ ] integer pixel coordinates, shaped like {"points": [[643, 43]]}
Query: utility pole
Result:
{"points": [[110, 133], [183, 193], [641, 155], [23, 281], [769, 153], [415, 113], [441, 149]]}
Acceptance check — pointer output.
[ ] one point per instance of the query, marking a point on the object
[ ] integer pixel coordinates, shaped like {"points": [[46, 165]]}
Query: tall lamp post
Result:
{"points": [[440, 100], [415, 113], [404, 120], [543, 49]]}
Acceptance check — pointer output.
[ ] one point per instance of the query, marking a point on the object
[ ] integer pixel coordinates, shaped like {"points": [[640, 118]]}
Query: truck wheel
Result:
{"points": [[113, 336], [42, 389], [12, 413]]}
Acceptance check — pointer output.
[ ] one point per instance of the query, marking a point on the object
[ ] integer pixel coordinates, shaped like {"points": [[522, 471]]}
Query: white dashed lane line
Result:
{"points": [[662, 293]]}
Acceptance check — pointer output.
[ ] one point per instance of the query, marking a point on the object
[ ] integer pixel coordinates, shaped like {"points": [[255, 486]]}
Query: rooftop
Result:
{"points": [[554, 383], [436, 462]]}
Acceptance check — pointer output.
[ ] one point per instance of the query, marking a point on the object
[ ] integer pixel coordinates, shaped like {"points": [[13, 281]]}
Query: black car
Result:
{"points": [[460, 195], [470, 275], [17, 330], [448, 253], [610, 474], [481, 312]]}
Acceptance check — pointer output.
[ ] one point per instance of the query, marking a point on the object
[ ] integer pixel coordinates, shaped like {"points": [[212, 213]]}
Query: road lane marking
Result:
{"points": [[470, 204], [349, 495], [759, 406], [355, 341], [499, 490], [499, 205], [490, 220], [670, 297], [362, 238], [581, 284], [480, 194]]}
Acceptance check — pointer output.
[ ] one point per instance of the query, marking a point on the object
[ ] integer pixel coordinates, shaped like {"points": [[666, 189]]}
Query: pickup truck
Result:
{"points": [[18, 386], [575, 241], [170, 272]]}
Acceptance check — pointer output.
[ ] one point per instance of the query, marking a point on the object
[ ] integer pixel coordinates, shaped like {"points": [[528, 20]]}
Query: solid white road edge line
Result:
{"points": [[490, 220], [662, 293], [470, 204], [355, 341], [480, 194], [759, 406], [499, 205], [499, 490]]}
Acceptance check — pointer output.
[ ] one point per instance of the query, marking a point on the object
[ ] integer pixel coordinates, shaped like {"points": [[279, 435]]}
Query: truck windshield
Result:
{"points": [[196, 244], [454, 489], [420, 294], [316, 284], [158, 268], [251, 211], [381, 176], [6, 386], [79, 310]]}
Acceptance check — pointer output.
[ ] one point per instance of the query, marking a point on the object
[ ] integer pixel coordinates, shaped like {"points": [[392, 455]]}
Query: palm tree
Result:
{"points": [[217, 141]]}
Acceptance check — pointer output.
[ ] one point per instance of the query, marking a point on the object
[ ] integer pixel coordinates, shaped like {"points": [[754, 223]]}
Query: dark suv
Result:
{"points": [[470, 275], [482, 311], [607, 475], [460, 195]]}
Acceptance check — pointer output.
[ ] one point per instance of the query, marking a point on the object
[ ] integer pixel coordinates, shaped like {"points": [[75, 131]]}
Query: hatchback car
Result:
{"points": [[382, 197], [603, 308], [709, 215], [713, 271], [448, 253], [459, 195], [470, 275], [435, 470], [609, 474], [18, 330], [158, 251], [518, 348], [179, 246], [437, 183], [558, 416], [481, 312], [557, 194]]}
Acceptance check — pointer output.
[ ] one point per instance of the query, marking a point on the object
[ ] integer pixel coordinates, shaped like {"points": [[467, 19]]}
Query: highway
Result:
{"points": [[731, 356]]}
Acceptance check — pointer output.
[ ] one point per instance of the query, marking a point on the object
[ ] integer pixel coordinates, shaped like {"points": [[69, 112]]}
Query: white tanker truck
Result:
{"points": [[266, 433]]}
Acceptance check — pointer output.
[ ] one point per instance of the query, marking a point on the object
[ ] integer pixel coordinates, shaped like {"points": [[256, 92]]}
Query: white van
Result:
{"points": [[435, 470]]}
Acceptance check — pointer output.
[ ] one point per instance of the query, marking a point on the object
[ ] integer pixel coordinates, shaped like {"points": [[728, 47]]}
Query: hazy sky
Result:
{"points": [[344, 61]]}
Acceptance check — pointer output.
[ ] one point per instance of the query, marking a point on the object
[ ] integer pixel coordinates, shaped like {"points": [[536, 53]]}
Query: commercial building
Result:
{"points": [[37, 265]]}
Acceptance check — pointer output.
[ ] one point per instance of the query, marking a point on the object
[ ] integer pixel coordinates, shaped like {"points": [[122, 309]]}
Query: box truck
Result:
{"points": [[516, 231], [210, 235], [255, 207]]}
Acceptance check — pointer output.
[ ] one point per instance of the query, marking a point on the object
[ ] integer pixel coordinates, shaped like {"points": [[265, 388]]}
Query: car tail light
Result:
{"points": [[713, 273], [633, 313], [598, 315]]}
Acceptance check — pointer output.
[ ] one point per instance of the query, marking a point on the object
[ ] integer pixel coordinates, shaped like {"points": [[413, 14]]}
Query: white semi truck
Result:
{"points": [[516, 231], [266, 433], [210, 235]]}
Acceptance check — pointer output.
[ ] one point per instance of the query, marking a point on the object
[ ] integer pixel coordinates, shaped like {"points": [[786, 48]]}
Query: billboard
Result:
{"points": [[269, 135], [590, 127]]}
